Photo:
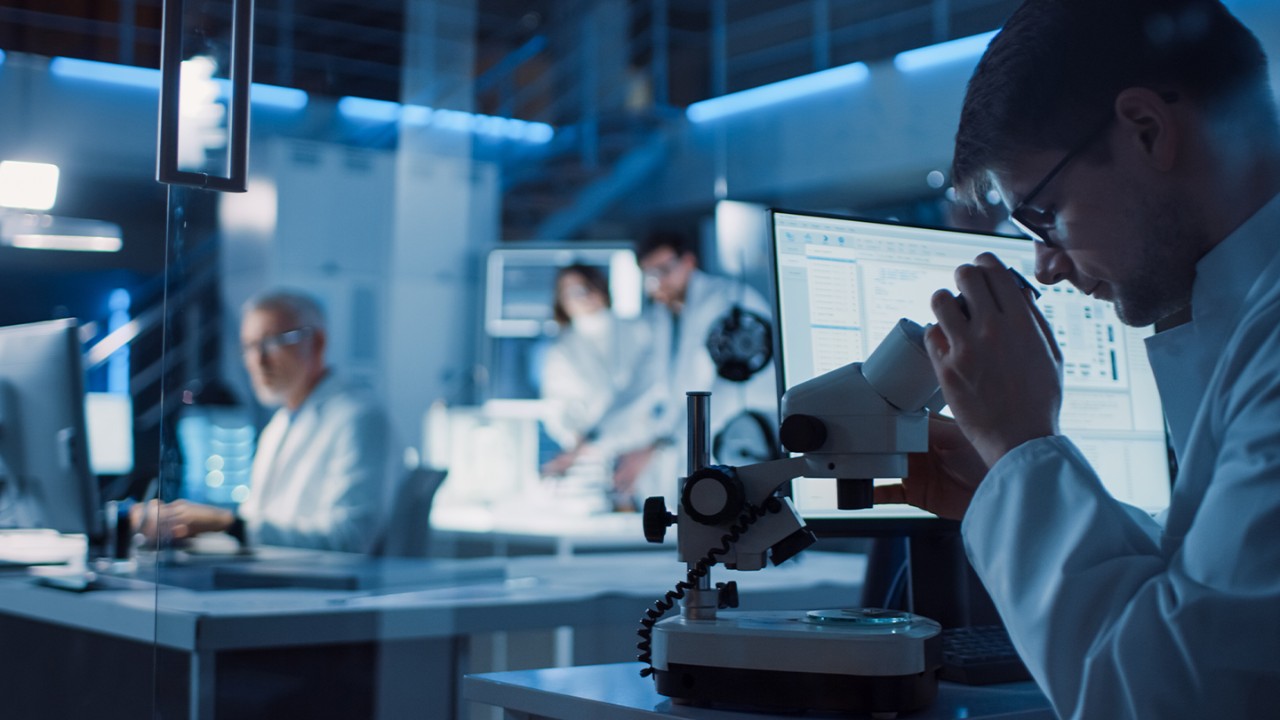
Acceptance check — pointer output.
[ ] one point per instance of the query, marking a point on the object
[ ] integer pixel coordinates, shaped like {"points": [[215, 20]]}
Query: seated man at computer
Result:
{"points": [[324, 467], [1138, 144]]}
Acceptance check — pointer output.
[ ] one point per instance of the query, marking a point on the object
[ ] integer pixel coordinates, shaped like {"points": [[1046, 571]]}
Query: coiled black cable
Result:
{"points": [[749, 516]]}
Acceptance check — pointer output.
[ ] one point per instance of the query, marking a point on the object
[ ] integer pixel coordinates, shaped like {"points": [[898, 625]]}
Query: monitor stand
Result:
{"points": [[939, 582]]}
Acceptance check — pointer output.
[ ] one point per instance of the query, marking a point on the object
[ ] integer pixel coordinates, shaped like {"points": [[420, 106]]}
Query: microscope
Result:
{"points": [[854, 423]]}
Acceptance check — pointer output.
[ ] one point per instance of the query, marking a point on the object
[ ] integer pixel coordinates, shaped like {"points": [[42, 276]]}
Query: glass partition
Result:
{"points": [[372, 380]]}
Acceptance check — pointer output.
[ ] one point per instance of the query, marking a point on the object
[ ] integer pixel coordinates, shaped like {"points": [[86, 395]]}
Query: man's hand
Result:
{"points": [[628, 468], [1000, 367], [942, 480], [560, 464], [179, 519]]}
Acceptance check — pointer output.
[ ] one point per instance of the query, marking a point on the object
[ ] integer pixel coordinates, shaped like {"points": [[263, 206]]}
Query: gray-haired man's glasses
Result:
{"points": [[275, 343]]}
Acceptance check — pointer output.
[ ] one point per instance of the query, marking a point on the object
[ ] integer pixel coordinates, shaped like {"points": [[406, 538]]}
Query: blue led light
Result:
{"points": [[779, 92], [417, 115], [132, 76], [364, 109], [149, 79], [1, 57], [284, 98], [969, 48], [386, 111]]}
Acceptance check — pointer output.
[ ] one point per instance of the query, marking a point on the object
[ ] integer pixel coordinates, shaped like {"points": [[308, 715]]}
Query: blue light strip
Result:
{"points": [[284, 98], [779, 92], [969, 48], [384, 111], [129, 75], [366, 110], [149, 79], [1, 57]]}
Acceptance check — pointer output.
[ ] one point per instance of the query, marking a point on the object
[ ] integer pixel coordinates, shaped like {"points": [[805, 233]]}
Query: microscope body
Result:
{"points": [[854, 423]]}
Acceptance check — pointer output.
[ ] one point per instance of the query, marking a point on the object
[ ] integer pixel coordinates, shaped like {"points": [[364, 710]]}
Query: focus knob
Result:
{"points": [[802, 433], [713, 495], [656, 519]]}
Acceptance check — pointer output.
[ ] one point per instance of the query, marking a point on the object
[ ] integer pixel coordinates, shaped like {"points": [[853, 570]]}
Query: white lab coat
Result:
{"points": [[322, 476], [1119, 615], [681, 363], [590, 371]]}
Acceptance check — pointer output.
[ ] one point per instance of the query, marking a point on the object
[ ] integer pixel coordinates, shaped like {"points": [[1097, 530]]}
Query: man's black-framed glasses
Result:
{"points": [[1036, 224], [274, 343]]}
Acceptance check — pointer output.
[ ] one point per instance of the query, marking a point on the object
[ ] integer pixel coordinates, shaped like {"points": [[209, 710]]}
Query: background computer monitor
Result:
{"points": [[43, 443], [109, 422], [842, 283], [520, 284]]}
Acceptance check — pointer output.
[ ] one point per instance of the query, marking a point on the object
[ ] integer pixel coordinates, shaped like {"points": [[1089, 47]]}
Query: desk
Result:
{"points": [[618, 692], [412, 643], [512, 530]]}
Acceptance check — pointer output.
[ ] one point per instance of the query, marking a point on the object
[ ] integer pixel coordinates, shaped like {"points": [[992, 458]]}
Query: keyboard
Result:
{"points": [[980, 655]]}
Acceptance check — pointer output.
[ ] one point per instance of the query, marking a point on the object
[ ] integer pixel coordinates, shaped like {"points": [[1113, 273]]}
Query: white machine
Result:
{"points": [[854, 423]]}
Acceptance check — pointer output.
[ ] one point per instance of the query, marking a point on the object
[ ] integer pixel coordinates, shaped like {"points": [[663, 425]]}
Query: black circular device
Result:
{"points": [[740, 343], [713, 495], [803, 433], [747, 438]]}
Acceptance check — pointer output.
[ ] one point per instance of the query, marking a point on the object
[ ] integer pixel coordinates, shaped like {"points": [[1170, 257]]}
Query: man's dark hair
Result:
{"points": [[593, 277], [681, 243], [1053, 74]]}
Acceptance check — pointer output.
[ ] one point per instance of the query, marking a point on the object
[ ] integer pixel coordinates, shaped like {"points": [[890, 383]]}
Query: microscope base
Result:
{"points": [[786, 661]]}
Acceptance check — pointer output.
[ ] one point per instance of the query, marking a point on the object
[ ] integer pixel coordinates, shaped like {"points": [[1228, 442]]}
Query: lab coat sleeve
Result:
{"points": [[562, 389], [353, 482], [1112, 626]]}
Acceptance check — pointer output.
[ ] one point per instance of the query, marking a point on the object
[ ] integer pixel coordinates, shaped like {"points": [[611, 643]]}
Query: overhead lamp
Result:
{"points": [[967, 49], [39, 231], [28, 185]]}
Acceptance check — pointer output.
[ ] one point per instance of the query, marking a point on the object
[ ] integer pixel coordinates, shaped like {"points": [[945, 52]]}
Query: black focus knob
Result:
{"points": [[713, 495], [656, 519], [802, 433]]}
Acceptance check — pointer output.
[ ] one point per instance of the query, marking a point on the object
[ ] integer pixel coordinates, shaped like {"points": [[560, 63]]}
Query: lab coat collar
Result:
{"points": [[1226, 274], [326, 388], [1183, 358]]}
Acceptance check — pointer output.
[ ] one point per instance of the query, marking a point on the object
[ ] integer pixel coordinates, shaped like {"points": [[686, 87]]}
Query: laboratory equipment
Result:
{"points": [[45, 479], [852, 424]]}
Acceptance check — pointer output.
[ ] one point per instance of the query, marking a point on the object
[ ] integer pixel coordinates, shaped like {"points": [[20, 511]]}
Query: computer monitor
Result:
{"points": [[44, 450], [842, 283], [520, 284], [109, 421]]}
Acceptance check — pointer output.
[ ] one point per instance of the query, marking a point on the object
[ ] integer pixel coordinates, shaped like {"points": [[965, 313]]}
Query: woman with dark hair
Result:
{"points": [[590, 374]]}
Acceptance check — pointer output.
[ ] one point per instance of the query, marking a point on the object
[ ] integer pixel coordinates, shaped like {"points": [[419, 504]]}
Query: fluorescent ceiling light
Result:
{"points": [[75, 243], [969, 48], [149, 79], [779, 92], [28, 185], [76, 69], [35, 231], [385, 111], [366, 110]]}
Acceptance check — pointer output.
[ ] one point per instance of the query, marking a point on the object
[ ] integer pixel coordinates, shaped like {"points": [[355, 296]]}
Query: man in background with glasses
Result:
{"points": [[324, 464], [1137, 143]]}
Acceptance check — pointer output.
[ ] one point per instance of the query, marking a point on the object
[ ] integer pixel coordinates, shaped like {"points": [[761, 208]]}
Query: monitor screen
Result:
{"points": [[109, 420], [44, 454], [843, 283], [520, 284]]}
